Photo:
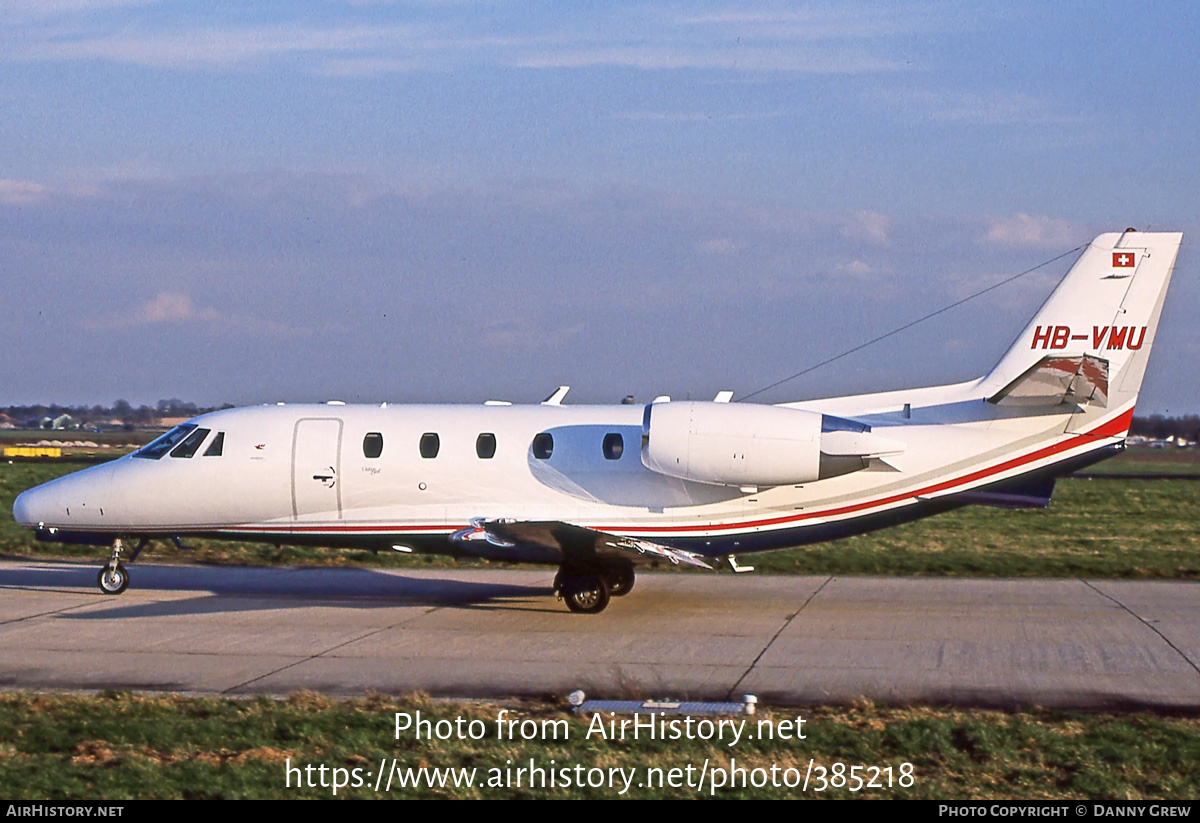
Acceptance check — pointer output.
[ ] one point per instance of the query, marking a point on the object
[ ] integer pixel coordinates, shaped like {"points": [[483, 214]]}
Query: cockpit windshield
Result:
{"points": [[157, 448], [188, 447]]}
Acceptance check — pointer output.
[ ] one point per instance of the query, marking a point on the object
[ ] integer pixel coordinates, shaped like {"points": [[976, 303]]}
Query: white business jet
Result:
{"points": [[599, 490]]}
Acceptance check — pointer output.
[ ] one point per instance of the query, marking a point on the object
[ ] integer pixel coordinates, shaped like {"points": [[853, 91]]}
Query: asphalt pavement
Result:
{"points": [[498, 633]]}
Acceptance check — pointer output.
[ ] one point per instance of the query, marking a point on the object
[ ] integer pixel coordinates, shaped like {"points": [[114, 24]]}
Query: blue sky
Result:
{"points": [[453, 201]]}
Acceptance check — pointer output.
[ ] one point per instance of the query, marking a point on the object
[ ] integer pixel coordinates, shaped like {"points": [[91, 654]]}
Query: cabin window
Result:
{"points": [[372, 445], [614, 446], [190, 443], [157, 448], [430, 443], [543, 445], [216, 447], [485, 446]]}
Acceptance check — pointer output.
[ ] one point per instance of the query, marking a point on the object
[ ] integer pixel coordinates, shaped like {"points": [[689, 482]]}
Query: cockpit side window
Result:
{"points": [[216, 447], [159, 447], [190, 444]]}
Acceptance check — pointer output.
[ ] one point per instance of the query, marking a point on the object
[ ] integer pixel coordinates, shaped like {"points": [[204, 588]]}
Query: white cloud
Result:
{"points": [[695, 116], [162, 308], [857, 268], [21, 192], [991, 108], [842, 22], [692, 56], [828, 42], [1029, 230], [212, 46], [867, 225], [50, 8], [167, 308]]}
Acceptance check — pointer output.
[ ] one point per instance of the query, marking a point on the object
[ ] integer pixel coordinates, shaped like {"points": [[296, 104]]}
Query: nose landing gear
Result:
{"points": [[114, 578]]}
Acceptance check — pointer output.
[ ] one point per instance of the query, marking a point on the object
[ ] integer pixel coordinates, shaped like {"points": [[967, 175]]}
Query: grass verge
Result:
{"points": [[121, 745]]}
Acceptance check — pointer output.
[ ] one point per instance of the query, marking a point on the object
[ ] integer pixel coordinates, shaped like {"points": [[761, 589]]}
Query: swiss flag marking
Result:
{"points": [[1123, 260]]}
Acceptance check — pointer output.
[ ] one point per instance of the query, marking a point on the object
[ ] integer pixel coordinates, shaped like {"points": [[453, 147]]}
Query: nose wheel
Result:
{"points": [[113, 579]]}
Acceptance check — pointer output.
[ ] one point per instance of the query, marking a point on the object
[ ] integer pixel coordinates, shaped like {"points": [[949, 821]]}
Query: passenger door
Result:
{"points": [[316, 467]]}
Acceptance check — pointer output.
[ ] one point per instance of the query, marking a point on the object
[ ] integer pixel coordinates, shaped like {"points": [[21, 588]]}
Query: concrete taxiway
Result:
{"points": [[493, 633]]}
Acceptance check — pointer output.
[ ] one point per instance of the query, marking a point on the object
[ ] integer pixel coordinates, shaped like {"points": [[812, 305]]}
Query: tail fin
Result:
{"points": [[1090, 341]]}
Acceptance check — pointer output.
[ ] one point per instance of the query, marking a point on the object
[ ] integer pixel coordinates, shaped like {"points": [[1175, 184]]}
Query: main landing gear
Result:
{"points": [[587, 591], [114, 578]]}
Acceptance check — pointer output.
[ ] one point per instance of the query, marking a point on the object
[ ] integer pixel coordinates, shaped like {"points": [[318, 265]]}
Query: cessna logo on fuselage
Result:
{"points": [[1102, 337]]}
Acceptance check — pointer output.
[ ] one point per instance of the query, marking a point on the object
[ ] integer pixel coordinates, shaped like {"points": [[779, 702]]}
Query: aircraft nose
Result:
{"points": [[74, 501], [29, 508]]}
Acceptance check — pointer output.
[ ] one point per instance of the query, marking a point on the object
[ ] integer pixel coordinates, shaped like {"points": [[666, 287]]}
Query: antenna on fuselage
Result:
{"points": [[556, 398]]}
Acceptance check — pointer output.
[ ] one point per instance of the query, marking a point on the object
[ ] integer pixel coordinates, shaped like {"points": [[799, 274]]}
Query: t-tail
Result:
{"points": [[1089, 343]]}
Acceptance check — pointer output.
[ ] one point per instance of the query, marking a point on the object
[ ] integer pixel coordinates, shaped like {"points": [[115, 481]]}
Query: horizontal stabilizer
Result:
{"points": [[1055, 380]]}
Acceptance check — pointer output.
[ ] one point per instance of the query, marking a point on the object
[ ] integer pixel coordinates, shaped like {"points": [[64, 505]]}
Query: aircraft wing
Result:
{"points": [[575, 543]]}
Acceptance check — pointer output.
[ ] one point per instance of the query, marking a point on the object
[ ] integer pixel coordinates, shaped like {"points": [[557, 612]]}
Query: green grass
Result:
{"points": [[1094, 528], [1143, 460], [119, 745]]}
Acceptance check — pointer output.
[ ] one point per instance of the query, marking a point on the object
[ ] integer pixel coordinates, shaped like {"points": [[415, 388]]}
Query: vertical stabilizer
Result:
{"points": [[1092, 337]]}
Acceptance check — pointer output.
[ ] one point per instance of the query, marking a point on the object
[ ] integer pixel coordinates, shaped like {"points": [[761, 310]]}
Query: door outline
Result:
{"points": [[337, 460]]}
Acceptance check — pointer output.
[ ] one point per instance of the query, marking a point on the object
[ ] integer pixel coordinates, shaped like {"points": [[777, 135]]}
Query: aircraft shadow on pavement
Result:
{"points": [[236, 589]]}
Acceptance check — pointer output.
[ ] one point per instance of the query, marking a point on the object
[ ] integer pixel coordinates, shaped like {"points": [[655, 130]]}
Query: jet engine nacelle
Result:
{"points": [[732, 444], [748, 446]]}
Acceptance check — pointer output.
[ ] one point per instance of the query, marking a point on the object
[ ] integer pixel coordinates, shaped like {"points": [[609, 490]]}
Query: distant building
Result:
{"points": [[63, 421], [174, 420]]}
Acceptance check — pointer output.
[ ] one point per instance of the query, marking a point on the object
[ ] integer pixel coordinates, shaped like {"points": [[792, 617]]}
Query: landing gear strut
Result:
{"points": [[114, 578]]}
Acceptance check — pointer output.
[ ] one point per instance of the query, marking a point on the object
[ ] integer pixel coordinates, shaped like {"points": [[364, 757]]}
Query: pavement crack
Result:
{"points": [[45, 614], [1145, 623], [771, 642], [332, 648]]}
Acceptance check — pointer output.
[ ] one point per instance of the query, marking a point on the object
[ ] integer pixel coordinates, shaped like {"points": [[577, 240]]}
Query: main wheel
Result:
{"points": [[586, 594], [113, 581], [620, 581]]}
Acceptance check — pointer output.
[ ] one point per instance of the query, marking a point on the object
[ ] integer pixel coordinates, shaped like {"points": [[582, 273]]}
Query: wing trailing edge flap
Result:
{"points": [[1054, 380], [575, 543]]}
